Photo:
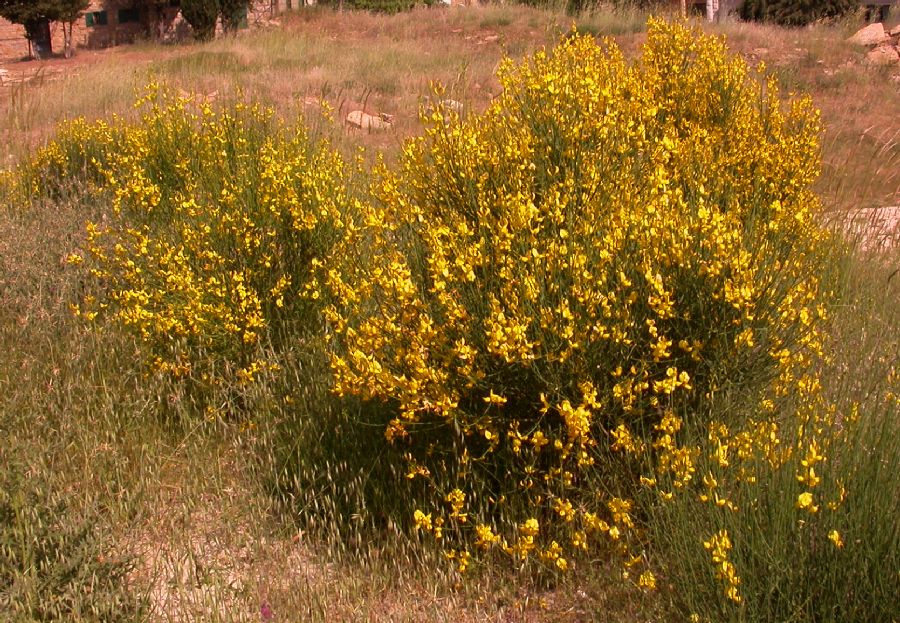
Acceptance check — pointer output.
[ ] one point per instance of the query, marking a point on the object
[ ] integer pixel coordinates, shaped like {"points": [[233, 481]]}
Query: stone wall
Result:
{"points": [[12, 40]]}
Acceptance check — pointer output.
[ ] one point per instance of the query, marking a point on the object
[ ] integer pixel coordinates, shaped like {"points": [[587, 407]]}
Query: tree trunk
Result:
{"points": [[38, 33], [683, 9], [67, 38]]}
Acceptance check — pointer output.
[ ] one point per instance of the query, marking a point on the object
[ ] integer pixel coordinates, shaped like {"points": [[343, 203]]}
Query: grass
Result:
{"points": [[856, 581], [181, 516]]}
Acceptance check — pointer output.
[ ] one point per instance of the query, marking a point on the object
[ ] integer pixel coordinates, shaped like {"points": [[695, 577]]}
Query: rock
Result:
{"points": [[365, 121], [873, 34], [895, 31], [452, 105], [875, 229], [883, 55]]}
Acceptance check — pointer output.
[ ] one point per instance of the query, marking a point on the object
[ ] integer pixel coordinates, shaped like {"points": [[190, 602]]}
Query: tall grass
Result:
{"points": [[839, 563]]}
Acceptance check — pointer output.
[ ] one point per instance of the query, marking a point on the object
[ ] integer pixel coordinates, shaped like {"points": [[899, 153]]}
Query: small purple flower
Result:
{"points": [[265, 612]]}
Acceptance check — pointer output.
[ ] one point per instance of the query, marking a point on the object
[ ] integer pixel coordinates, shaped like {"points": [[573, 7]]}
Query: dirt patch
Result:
{"points": [[874, 229]]}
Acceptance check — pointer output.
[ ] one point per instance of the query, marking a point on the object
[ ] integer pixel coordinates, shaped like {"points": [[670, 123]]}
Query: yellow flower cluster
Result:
{"points": [[565, 278], [718, 546], [215, 221]]}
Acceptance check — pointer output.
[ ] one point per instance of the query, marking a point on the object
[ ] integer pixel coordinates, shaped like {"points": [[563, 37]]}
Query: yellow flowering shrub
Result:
{"points": [[212, 222], [554, 290]]}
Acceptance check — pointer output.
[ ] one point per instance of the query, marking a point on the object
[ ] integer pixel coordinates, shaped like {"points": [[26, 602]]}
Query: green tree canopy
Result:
{"points": [[26, 11], [202, 16], [796, 12], [36, 16], [233, 12]]}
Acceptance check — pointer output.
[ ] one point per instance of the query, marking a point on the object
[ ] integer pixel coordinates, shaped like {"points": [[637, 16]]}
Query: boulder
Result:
{"points": [[883, 55], [895, 31], [365, 121], [873, 34], [874, 229], [453, 105]]}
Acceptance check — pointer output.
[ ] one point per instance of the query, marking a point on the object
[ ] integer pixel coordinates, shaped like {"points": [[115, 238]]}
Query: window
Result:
{"points": [[129, 16], [97, 18]]}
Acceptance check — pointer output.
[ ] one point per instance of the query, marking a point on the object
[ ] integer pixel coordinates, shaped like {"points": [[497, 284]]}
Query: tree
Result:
{"points": [[36, 15], [202, 16], [233, 13], [155, 12], [796, 12], [69, 11]]}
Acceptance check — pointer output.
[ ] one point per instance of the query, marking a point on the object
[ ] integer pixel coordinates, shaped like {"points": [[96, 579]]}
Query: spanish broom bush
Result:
{"points": [[210, 223], [806, 536], [556, 292]]}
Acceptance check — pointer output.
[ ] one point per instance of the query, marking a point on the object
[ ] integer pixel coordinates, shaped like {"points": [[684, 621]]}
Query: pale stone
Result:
{"points": [[875, 228], [895, 31], [873, 34], [883, 55], [365, 121], [452, 105]]}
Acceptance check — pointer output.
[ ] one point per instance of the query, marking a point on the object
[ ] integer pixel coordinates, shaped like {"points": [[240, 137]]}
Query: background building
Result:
{"points": [[112, 22]]}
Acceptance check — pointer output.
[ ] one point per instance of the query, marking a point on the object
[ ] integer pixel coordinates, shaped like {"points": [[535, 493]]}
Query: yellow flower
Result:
{"points": [[647, 581], [485, 537], [529, 528], [462, 559], [718, 546], [422, 520], [835, 537], [805, 502], [564, 509], [494, 399], [539, 440]]}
